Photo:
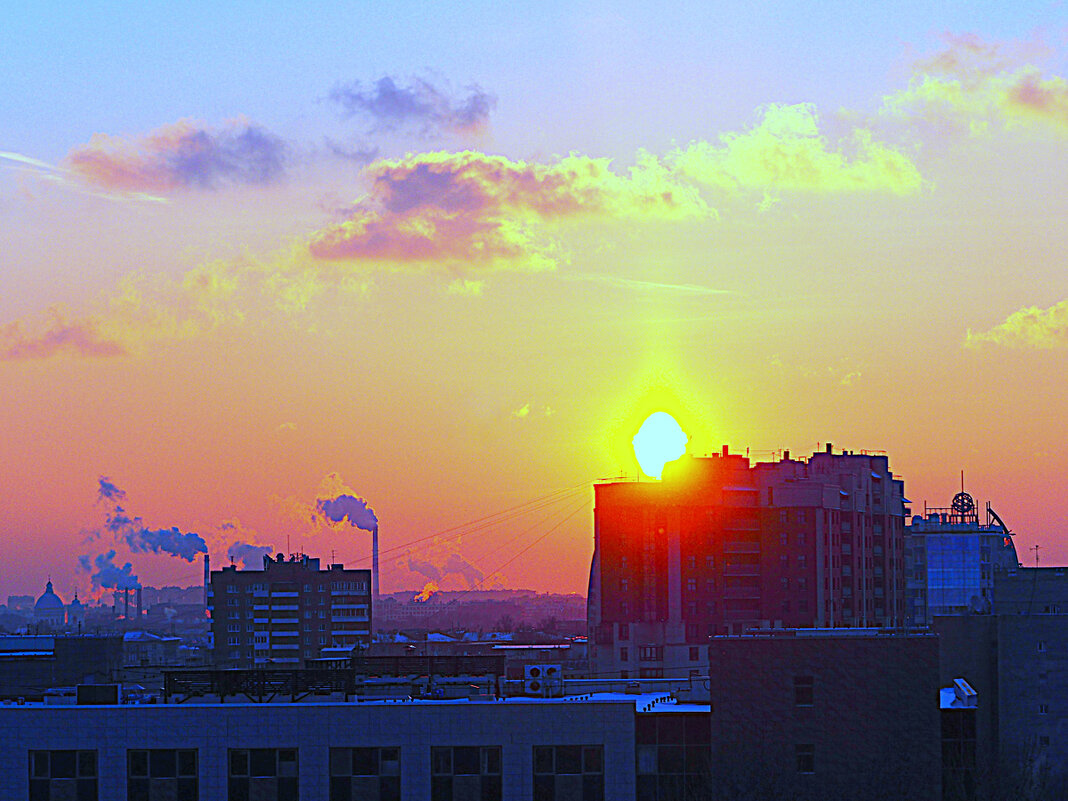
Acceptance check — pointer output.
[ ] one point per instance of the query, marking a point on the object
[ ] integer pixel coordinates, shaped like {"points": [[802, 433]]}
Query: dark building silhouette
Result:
{"points": [[722, 545], [826, 715], [1017, 660], [287, 612]]}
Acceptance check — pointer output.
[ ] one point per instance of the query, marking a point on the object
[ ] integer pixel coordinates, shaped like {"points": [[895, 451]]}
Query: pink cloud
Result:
{"points": [[185, 154], [61, 337]]}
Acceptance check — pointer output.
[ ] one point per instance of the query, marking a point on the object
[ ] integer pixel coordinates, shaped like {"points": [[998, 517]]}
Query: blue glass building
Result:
{"points": [[950, 558]]}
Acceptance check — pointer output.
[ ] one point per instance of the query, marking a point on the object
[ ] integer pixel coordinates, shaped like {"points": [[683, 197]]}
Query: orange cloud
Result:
{"points": [[472, 211], [972, 84], [1032, 327], [58, 336], [185, 154]]}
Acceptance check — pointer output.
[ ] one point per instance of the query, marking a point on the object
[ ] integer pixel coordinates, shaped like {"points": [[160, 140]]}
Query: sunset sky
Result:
{"points": [[446, 258]]}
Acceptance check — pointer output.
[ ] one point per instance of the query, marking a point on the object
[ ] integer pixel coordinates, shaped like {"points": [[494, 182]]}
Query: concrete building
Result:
{"points": [[30, 665], [288, 611], [1017, 657], [826, 714], [721, 545], [588, 748], [950, 559]]}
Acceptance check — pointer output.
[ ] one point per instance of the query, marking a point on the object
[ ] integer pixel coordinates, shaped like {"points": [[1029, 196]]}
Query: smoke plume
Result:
{"points": [[351, 508]]}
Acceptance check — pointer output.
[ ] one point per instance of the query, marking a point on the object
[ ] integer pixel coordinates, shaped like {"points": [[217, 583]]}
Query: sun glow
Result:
{"points": [[659, 440]]}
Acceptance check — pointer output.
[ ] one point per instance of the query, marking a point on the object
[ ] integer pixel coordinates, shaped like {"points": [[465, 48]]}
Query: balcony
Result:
{"points": [[740, 593], [741, 570], [741, 547]]}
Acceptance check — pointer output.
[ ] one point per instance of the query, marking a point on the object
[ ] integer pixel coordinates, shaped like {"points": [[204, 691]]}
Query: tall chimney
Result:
{"points": [[374, 563], [138, 606], [207, 579], [126, 604]]}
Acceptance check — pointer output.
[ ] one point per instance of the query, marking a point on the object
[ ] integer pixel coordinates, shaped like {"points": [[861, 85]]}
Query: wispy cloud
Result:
{"points": [[184, 155], [1031, 327], [418, 106], [635, 284]]}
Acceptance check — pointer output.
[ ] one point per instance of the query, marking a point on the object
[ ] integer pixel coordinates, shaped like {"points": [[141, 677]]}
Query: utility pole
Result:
{"points": [[1035, 549]]}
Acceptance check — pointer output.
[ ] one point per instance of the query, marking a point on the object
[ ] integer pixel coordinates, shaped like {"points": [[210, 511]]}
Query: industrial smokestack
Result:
{"points": [[374, 563], [138, 606], [207, 579], [126, 604]]}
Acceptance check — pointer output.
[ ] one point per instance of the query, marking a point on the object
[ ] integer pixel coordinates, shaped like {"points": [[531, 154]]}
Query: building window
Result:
{"points": [[691, 585], [784, 582], [691, 562], [806, 757], [569, 772], [624, 608], [783, 537], [1043, 709], [359, 773], [1041, 646], [63, 774], [623, 585], [710, 562], [263, 773], [801, 561], [695, 653], [804, 690], [651, 653], [161, 773], [624, 655], [465, 773], [624, 631]]}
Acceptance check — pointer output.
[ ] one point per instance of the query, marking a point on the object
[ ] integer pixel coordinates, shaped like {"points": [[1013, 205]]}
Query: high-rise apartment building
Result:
{"points": [[721, 545], [287, 612]]}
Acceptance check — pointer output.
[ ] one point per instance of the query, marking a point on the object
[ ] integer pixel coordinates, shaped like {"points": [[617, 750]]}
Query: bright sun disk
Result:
{"points": [[659, 440]]}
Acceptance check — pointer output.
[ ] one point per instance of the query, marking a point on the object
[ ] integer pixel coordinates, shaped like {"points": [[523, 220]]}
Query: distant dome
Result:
{"points": [[75, 604], [48, 600]]}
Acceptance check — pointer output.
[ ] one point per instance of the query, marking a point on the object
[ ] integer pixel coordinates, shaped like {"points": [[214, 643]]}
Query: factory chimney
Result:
{"points": [[374, 563], [207, 579], [126, 604], [138, 606]]}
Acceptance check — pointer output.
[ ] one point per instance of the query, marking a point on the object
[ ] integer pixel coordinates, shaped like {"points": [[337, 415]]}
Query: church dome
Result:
{"points": [[75, 604], [48, 600]]}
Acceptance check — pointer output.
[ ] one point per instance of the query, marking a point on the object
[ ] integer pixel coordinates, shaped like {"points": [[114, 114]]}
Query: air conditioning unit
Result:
{"points": [[543, 680]]}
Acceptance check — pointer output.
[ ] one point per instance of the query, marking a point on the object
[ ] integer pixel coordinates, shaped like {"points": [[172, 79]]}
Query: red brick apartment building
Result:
{"points": [[287, 612], [721, 545]]}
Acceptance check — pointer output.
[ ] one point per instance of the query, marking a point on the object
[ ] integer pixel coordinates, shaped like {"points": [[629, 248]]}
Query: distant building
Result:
{"points": [[288, 611], [827, 714], [75, 613], [720, 546], [49, 611], [20, 603], [950, 559]]}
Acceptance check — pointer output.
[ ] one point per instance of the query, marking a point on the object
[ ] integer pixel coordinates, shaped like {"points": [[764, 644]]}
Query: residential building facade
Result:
{"points": [[721, 545], [288, 612]]}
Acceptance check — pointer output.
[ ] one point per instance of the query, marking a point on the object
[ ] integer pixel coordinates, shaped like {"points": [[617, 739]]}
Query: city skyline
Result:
{"points": [[445, 262]]}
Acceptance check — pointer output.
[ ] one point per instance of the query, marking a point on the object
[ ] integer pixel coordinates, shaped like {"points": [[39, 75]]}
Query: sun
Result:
{"points": [[659, 440]]}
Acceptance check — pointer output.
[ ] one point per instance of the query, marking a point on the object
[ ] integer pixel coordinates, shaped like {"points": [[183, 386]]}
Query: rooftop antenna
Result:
{"points": [[1035, 549], [962, 481]]}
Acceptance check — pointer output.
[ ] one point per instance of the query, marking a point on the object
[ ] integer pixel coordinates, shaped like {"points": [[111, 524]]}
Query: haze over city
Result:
{"points": [[263, 274]]}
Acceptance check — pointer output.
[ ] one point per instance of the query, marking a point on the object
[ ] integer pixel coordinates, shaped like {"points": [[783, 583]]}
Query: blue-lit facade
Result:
{"points": [[950, 558]]}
